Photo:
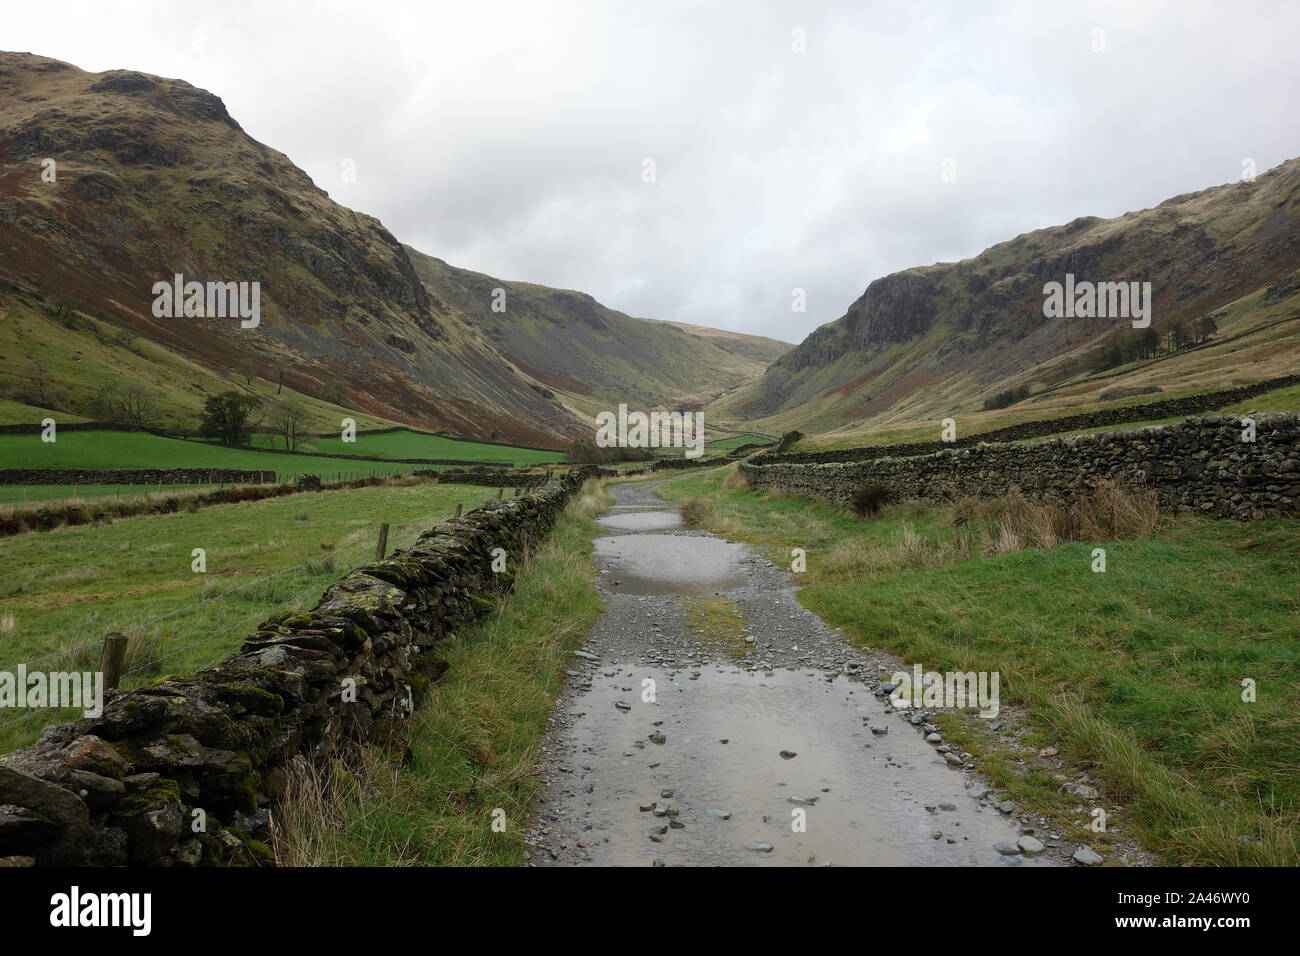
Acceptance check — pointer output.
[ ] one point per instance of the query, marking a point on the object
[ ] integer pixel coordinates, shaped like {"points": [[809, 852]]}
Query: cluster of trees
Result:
{"points": [[1148, 343], [234, 417], [1009, 397]]}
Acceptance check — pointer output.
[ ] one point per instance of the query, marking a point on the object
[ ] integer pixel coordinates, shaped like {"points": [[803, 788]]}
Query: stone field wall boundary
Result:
{"points": [[123, 788], [1202, 464]]}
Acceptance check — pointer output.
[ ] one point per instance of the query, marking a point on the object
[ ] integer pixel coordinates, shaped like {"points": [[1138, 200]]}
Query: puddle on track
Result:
{"points": [[871, 793], [662, 519], [688, 564]]}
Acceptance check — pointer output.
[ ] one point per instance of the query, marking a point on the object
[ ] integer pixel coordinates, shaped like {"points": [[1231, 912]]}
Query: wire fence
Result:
{"points": [[199, 634]]}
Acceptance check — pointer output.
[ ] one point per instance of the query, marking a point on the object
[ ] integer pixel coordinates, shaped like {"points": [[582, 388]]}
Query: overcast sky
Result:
{"points": [[511, 138]]}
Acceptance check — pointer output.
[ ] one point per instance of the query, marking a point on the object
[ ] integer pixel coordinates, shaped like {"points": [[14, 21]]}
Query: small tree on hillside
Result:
{"points": [[130, 405], [40, 381], [288, 420], [1178, 338], [332, 391]]}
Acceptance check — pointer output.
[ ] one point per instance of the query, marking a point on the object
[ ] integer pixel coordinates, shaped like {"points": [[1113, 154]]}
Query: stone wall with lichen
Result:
{"points": [[123, 788], [1202, 464]]}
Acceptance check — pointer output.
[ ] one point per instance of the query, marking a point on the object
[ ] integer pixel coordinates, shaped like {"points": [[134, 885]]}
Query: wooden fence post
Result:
{"points": [[500, 490], [113, 657], [382, 546], [458, 509]]}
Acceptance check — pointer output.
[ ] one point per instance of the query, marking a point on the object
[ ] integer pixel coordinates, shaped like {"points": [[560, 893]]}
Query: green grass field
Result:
{"points": [[417, 444], [114, 449], [1136, 673], [69, 587], [1278, 400], [726, 444]]}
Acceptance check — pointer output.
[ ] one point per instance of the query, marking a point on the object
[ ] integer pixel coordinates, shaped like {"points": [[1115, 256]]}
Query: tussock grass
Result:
{"points": [[473, 746], [1111, 512], [699, 512], [735, 480], [1136, 672]]}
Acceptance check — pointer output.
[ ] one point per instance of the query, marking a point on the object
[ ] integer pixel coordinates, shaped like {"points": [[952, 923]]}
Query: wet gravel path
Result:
{"points": [[751, 735]]}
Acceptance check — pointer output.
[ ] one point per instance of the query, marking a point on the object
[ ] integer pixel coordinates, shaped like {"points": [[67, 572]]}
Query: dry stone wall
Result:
{"points": [[128, 786], [1201, 464], [490, 478], [681, 464], [139, 476]]}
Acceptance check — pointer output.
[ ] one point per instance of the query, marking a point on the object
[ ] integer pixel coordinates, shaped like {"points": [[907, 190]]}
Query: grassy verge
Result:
{"points": [[474, 745], [1136, 672]]}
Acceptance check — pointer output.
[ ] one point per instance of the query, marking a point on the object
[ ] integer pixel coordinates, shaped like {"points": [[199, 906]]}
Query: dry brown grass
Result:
{"points": [[1110, 512], [700, 513], [735, 481]]}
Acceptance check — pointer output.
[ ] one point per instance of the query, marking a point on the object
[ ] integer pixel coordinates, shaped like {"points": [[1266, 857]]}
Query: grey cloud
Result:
{"points": [[508, 137]]}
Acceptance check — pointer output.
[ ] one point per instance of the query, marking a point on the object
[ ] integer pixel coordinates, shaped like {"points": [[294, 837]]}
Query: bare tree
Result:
{"points": [[288, 420], [40, 380], [130, 404]]}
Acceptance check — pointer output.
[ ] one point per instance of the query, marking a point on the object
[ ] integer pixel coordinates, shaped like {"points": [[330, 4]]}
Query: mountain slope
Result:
{"points": [[155, 178], [594, 355], [933, 340]]}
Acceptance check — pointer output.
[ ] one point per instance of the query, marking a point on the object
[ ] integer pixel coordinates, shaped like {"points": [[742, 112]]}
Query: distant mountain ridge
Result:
{"points": [[570, 342], [154, 178], [953, 332]]}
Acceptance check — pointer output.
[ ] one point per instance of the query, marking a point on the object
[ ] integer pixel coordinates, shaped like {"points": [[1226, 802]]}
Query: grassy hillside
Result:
{"points": [[760, 348], [1279, 400], [937, 341], [68, 363], [187, 191]]}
